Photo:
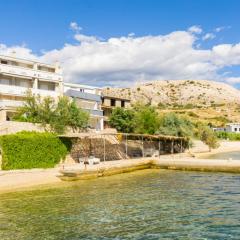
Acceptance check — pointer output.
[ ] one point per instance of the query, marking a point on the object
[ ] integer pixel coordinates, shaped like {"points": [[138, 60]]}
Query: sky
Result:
{"points": [[124, 42]]}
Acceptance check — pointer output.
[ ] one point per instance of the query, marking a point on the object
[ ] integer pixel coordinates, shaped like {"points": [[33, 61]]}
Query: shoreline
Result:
{"points": [[41, 179], [225, 147], [21, 180]]}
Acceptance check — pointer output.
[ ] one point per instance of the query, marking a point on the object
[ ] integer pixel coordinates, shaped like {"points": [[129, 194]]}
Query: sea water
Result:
{"points": [[148, 204]]}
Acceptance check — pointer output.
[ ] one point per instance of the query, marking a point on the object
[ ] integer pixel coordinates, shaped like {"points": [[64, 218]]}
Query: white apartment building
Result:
{"points": [[89, 99], [18, 75]]}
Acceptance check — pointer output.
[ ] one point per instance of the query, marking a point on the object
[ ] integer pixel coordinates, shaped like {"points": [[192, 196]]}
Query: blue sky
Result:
{"points": [[44, 25]]}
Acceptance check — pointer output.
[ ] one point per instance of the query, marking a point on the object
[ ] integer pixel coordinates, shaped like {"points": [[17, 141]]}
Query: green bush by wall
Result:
{"points": [[228, 135], [27, 150]]}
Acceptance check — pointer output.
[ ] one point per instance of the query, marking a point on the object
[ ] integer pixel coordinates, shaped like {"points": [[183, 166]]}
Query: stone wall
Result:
{"points": [[10, 127]]}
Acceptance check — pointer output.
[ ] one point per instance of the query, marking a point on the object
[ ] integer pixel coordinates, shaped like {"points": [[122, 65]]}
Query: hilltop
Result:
{"points": [[180, 92], [211, 101]]}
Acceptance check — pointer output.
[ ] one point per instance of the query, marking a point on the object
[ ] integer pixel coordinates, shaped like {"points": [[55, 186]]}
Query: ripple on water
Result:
{"points": [[149, 204]]}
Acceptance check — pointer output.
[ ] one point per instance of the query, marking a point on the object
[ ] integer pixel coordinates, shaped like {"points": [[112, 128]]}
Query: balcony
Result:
{"points": [[10, 103], [94, 112], [30, 73], [21, 91]]}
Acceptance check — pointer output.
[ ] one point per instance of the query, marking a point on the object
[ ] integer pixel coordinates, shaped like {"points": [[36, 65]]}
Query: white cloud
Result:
{"points": [[84, 38], [122, 61], [233, 80], [21, 51], [208, 36], [195, 29], [75, 27], [219, 29], [132, 34]]}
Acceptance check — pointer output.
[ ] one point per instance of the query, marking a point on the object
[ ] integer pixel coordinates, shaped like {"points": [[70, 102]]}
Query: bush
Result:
{"points": [[172, 124], [207, 136], [228, 135], [27, 150], [146, 120], [122, 120]]}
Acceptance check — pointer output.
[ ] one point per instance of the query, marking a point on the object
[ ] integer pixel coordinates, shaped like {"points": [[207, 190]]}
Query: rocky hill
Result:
{"points": [[179, 92]]}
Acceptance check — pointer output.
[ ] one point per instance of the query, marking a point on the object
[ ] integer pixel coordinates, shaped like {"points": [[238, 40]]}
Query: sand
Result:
{"points": [[11, 181]]}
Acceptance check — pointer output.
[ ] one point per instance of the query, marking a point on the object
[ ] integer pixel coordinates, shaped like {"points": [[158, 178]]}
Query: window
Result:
{"points": [[235, 129], [5, 81], [4, 62], [122, 104], [46, 69], [46, 86], [113, 102]]}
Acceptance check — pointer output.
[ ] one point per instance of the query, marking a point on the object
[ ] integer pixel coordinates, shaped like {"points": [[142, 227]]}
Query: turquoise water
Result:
{"points": [[149, 204], [226, 156]]}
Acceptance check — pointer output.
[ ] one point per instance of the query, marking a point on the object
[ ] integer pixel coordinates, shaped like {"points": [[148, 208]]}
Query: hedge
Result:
{"points": [[26, 150], [228, 135]]}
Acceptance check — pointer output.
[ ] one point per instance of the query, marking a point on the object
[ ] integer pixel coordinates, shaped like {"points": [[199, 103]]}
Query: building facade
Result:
{"points": [[89, 99], [109, 103], [19, 75], [233, 127]]}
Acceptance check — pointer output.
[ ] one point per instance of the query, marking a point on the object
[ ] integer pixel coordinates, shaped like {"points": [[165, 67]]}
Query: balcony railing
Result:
{"points": [[10, 103], [98, 113], [31, 73], [21, 91]]}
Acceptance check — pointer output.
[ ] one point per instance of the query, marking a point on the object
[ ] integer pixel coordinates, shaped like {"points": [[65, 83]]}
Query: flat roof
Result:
{"points": [[28, 61], [80, 85], [117, 98]]}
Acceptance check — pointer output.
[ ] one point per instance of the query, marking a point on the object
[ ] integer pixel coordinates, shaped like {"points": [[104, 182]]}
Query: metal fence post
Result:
{"points": [[181, 146], [126, 146], [172, 143], [159, 148], [104, 148]]}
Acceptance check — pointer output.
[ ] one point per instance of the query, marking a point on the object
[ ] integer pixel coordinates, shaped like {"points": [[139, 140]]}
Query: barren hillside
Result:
{"points": [[212, 102], [180, 92]]}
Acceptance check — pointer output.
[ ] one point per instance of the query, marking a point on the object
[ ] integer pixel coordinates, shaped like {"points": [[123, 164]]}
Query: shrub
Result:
{"points": [[172, 124], [122, 119], [207, 135], [27, 150], [146, 120], [228, 135]]}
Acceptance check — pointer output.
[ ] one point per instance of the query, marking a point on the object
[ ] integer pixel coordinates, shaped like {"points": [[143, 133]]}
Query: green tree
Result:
{"points": [[172, 124], [29, 112], [54, 115], [146, 120], [122, 120], [208, 136], [78, 118]]}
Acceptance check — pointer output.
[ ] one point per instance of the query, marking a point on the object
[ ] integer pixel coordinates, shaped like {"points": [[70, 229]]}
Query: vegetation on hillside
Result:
{"points": [[54, 116], [145, 119]]}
